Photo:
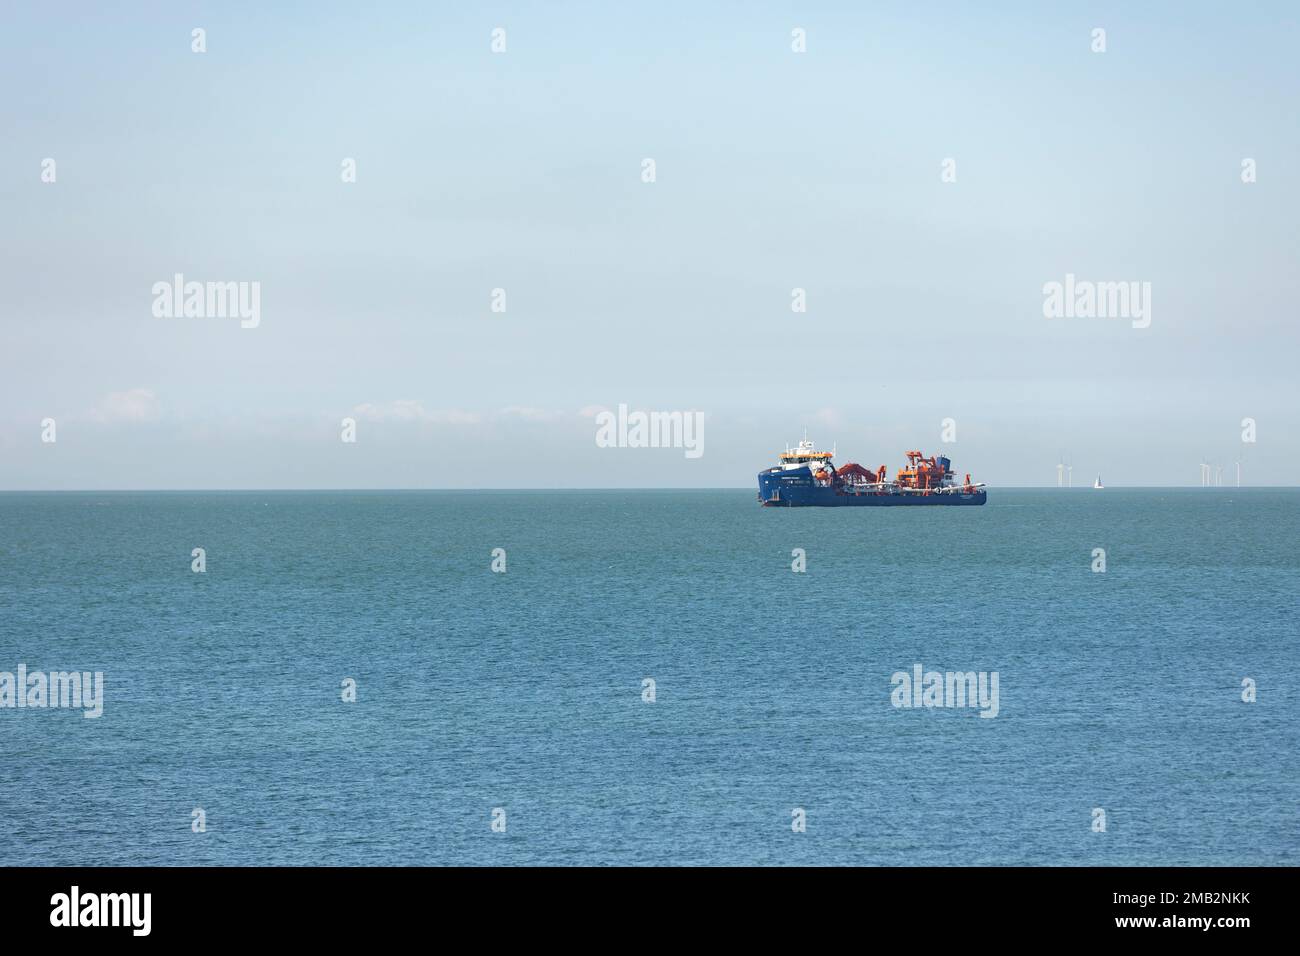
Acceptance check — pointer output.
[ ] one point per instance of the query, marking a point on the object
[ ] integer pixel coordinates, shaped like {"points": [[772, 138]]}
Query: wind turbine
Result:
{"points": [[1060, 473]]}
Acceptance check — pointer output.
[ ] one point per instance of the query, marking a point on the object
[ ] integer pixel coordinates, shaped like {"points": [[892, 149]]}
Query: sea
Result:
{"points": [[651, 678]]}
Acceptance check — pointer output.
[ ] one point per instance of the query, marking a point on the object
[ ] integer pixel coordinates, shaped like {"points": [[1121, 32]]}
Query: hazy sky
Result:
{"points": [[522, 170]]}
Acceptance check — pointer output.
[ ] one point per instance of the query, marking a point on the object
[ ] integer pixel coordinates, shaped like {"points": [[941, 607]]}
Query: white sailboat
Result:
{"points": [[1097, 483]]}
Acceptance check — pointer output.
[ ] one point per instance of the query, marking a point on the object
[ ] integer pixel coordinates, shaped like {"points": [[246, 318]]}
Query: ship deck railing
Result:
{"points": [[890, 488]]}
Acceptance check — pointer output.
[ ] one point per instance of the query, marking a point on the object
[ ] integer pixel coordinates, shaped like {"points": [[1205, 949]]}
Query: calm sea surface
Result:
{"points": [[1119, 690]]}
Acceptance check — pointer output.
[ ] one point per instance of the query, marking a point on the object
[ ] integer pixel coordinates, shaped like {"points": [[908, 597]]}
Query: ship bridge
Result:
{"points": [[804, 454]]}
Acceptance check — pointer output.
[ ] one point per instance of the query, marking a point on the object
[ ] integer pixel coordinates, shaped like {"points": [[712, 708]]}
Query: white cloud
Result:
{"points": [[410, 410], [529, 414], [413, 410], [133, 405]]}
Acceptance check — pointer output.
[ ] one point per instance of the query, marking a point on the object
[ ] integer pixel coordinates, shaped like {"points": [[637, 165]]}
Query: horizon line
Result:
{"points": [[98, 491]]}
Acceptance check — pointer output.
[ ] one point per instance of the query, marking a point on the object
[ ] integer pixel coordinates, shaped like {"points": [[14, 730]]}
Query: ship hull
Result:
{"points": [[796, 489]]}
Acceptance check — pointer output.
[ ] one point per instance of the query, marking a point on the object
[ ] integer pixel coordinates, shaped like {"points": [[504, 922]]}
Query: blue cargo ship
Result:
{"points": [[806, 477]]}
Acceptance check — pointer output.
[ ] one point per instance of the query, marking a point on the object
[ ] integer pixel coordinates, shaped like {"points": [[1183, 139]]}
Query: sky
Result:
{"points": [[524, 170]]}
